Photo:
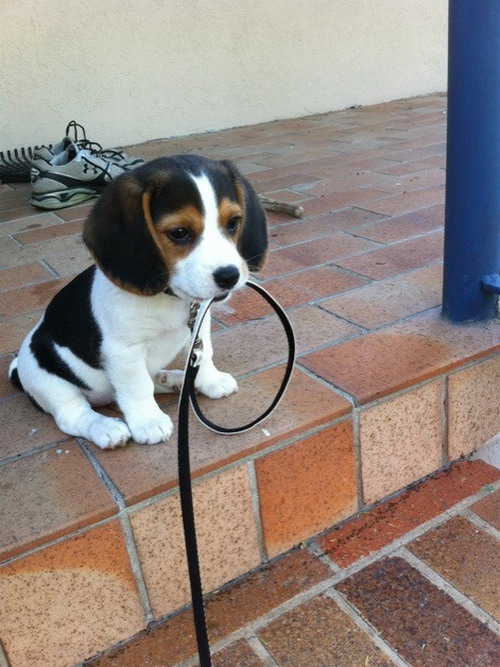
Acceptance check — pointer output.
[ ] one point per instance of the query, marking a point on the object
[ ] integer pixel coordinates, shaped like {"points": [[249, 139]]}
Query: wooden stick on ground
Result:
{"points": [[281, 207]]}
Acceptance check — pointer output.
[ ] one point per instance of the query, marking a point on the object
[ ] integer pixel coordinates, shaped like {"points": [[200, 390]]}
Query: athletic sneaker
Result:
{"points": [[80, 139], [15, 164], [70, 177]]}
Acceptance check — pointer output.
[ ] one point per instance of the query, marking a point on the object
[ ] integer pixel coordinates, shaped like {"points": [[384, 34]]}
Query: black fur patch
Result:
{"points": [[14, 378], [45, 353], [69, 322]]}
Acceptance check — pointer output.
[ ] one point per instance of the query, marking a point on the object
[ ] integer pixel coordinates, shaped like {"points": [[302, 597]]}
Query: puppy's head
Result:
{"points": [[184, 223]]}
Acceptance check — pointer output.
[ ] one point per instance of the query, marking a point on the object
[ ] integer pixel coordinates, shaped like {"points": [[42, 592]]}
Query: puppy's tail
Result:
{"points": [[14, 375]]}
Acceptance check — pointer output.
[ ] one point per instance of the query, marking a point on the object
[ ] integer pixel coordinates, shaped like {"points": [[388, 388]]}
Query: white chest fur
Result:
{"points": [[155, 325]]}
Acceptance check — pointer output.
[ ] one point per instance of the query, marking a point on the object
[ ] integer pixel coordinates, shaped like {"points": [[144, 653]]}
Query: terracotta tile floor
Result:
{"points": [[385, 393]]}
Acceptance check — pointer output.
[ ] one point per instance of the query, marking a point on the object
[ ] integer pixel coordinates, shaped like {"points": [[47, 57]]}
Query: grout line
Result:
{"points": [[329, 385], [352, 399], [103, 475], [370, 282], [343, 318], [407, 318], [4, 661], [57, 540], [15, 241], [261, 651], [135, 562], [261, 369], [366, 627], [389, 244], [254, 490], [317, 552], [445, 459], [47, 266], [34, 451], [448, 588], [472, 517], [348, 232], [358, 461]]}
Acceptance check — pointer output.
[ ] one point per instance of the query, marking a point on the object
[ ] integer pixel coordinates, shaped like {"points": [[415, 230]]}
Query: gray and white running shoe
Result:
{"points": [[15, 164], [70, 177], [79, 137]]}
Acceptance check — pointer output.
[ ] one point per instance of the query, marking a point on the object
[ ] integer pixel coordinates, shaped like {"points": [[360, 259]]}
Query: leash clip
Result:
{"points": [[194, 307], [197, 346], [196, 352]]}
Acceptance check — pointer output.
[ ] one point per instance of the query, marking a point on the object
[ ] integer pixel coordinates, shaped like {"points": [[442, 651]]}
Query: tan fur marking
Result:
{"points": [[227, 210], [262, 261], [240, 194], [146, 209], [189, 217]]}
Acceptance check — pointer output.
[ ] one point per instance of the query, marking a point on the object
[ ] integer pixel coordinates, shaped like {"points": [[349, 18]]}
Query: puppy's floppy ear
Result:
{"points": [[120, 235], [252, 241]]}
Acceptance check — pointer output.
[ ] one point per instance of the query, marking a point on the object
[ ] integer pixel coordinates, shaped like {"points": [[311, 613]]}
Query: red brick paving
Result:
{"points": [[467, 557], [489, 509], [319, 633], [372, 530], [423, 624]]}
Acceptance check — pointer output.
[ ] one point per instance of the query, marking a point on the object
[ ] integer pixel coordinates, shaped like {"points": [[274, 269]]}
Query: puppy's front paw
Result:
{"points": [[216, 384], [108, 432], [153, 431]]}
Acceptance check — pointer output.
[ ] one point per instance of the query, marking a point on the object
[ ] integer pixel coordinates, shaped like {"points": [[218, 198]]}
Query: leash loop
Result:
{"points": [[187, 397]]}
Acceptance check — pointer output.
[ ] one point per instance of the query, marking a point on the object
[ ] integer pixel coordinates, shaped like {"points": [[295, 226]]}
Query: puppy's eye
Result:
{"points": [[233, 224], [180, 235]]}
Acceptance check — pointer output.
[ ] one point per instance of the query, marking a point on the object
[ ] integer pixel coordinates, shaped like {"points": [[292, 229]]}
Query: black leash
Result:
{"points": [[187, 396]]}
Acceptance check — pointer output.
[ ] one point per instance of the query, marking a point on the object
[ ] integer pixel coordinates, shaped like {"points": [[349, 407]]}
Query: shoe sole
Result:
{"points": [[62, 198]]}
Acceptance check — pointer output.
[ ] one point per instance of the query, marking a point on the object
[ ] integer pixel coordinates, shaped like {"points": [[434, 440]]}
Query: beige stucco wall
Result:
{"points": [[132, 70]]}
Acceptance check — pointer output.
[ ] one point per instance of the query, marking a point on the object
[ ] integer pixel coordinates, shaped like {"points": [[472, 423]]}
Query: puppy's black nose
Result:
{"points": [[227, 276]]}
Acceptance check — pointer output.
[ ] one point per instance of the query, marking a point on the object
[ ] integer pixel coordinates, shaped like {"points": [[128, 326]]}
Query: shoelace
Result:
{"points": [[94, 147], [75, 127]]}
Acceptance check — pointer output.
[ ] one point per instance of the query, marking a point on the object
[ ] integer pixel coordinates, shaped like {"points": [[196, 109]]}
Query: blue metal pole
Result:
{"points": [[472, 211]]}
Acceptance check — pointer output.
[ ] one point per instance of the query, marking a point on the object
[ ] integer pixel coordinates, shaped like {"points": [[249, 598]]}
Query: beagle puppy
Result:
{"points": [[174, 231]]}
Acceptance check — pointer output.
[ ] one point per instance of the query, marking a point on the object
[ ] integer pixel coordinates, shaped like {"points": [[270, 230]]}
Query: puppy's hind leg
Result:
{"points": [[74, 415], [168, 382]]}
